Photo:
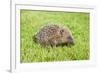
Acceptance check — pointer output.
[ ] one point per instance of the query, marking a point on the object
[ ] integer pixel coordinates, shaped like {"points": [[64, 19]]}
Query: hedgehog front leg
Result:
{"points": [[53, 43]]}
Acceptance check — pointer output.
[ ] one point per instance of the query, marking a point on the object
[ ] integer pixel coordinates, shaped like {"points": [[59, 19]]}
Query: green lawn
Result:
{"points": [[32, 21]]}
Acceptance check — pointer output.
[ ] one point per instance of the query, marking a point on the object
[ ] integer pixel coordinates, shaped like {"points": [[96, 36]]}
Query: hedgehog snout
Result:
{"points": [[70, 40]]}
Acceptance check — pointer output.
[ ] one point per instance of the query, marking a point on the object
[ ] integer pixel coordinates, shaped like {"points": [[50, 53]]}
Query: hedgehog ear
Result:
{"points": [[61, 31]]}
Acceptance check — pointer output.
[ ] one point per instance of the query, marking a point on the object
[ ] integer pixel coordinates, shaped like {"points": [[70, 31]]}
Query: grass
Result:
{"points": [[32, 21]]}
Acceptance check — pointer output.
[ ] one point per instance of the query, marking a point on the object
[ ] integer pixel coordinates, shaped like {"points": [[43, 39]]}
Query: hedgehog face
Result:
{"points": [[66, 37]]}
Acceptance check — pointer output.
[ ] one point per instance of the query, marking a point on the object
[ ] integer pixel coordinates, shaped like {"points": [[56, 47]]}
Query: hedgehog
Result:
{"points": [[54, 35]]}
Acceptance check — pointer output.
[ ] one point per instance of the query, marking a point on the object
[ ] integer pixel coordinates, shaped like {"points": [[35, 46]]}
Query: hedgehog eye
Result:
{"points": [[61, 32]]}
